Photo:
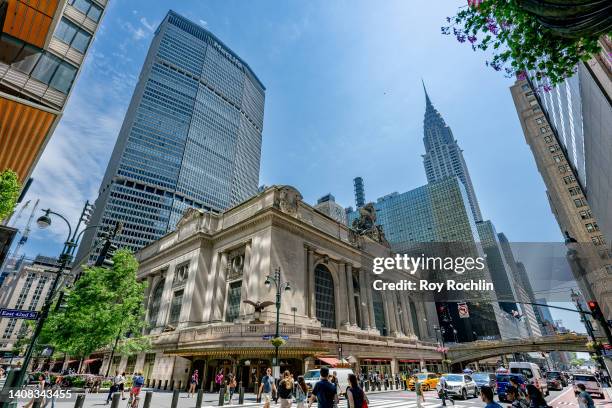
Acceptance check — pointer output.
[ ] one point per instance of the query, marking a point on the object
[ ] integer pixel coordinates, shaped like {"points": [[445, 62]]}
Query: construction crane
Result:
{"points": [[26, 231], [23, 207]]}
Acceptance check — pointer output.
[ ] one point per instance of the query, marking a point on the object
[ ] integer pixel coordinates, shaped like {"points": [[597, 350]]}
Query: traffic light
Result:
{"points": [[595, 310], [106, 254]]}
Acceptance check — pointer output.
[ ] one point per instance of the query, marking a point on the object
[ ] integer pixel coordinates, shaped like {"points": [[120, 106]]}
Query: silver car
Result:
{"points": [[460, 385], [591, 384]]}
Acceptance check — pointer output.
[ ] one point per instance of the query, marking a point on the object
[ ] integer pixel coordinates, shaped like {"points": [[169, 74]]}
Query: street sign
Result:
{"points": [[271, 336], [464, 313], [19, 314]]}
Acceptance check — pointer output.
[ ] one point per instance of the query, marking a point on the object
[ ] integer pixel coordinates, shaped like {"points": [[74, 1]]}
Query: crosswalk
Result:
{"points": [[404, 403]]}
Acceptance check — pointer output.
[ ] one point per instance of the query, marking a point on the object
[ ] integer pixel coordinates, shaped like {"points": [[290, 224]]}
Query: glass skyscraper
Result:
{"points": [[191, 138], [443, 157]]}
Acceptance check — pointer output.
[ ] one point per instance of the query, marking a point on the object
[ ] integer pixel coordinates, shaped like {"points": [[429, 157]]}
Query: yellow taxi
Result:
{"points": [[428, 381]]}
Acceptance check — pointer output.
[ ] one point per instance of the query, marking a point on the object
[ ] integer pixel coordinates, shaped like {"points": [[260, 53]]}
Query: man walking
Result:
{"points": [[266, 388], [442, 391], [324, 392]]}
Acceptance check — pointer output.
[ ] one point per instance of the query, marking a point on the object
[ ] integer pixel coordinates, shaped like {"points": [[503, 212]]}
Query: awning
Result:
{"points": [[332, 361], [409, 361], [91, 360]]}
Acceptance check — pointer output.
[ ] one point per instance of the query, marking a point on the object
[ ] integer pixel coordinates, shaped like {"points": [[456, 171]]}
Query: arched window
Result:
{"points": [[324, 295], [379, 312], [154, 302], [415, 319]]}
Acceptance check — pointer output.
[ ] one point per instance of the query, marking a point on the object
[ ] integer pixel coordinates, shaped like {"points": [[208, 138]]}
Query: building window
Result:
{"points": [[52, 71], [45, 68], [574, 191], [592, 227], [558, 158], [579, 202], [154, 303], [564, 169], [533, 102], [544, 129], [415, 319], [540, 120], [586, 214], [233, 301], [88, 8], [598, 240], [548, 139], [379, 312], [181, 274], [175, 307], [131, 364], [554, 148], [525, 87], [325, 298], [569, 179]]}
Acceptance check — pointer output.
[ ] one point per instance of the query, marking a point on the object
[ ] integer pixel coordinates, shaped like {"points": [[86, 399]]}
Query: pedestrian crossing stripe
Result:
{"points": [[399, 403]]}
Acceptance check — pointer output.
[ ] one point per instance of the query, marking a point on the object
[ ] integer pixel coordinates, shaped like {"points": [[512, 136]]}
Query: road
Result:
{"points": [[395, 399]]}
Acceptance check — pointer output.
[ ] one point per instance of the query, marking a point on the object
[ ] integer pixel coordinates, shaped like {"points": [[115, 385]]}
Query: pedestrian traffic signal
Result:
{"points": [[105, 258], [595, 310]]}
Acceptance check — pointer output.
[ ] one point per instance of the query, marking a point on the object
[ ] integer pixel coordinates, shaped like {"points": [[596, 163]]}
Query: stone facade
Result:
{"points": [[200, 275]]}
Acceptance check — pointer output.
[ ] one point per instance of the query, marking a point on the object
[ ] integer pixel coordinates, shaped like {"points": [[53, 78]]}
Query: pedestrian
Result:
{"points": [[193, 383], [584, 398], [40, 398], [301, 392], [486, 395], [265, 389], [114, 387], [512, 395], [232, 384], [534, 397], [137, 383], [355, 395], [285, 390], [420, 397], [334, 380], [121, 385], [514, 382], [443, 391], [219, 380], [324, 392]]}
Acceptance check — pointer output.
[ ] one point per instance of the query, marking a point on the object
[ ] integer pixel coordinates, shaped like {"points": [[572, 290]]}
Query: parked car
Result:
{"points": [[428, 381], [555, 380], [590, 383], [460, 385], [532, 373], [487, 379], [503, 380]]}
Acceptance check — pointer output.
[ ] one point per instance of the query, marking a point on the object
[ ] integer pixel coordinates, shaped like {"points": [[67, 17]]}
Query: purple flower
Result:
{"points": [[547, 88], [492, 27], [461, 38], [472, 39], [521, 76], [448, 19]]}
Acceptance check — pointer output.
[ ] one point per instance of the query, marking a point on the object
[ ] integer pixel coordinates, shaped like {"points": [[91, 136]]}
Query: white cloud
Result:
{"points": [[147, 25], [203, 23]]}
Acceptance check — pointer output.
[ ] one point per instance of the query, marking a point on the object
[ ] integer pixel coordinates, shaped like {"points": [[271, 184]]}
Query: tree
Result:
{"points": [[104, 305], [532, 36], [9, 192]]}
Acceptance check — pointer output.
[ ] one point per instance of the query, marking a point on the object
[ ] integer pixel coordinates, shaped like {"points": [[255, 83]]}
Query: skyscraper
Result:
{"points": [[328, 205], [443, 157], [42, 47], [191, 137]]}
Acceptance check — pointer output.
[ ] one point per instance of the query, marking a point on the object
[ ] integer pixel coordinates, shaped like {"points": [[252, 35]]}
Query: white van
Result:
{"points": [[532, 373], [312, 376]]}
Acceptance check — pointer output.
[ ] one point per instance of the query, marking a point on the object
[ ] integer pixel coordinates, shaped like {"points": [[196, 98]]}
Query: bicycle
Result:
{"points": [[133, 401]]}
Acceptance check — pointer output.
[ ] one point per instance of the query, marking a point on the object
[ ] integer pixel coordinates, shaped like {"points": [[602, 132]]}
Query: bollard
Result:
{"points": [[367, 386], [175, 398], [36, 404], [212, 386], [147, 400], [80, 400], [378, 384], [116, 399], [385, 384], [221, 396], [241, 394], [198, 398]]}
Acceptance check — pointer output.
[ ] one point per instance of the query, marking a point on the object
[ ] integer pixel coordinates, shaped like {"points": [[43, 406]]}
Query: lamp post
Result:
{"points": [[64, 260], [441, 342], [280, 287]]}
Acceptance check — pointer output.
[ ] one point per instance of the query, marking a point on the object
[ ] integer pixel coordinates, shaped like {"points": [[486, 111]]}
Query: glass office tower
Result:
{"points": [[443, 157], [191, 138]]}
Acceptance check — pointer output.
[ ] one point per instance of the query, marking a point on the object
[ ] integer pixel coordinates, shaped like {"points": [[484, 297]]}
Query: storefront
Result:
{"points": [[409, 366], [376, 365], [433, 366]]}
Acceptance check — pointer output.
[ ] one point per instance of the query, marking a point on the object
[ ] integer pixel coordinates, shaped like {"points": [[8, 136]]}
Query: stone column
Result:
{"points": [[389, 321], [363, 300], [343, 313], [396, 313], [246, 277], [351, 294], [167, 295], [370, 301], [407, 318], [312, 310], [220, 288]]}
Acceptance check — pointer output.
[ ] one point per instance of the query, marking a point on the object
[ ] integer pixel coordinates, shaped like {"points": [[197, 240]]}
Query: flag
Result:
{"points": [[463, 310]]}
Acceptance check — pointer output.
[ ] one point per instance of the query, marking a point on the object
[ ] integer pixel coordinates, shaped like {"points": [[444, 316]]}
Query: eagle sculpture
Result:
{"points": [[259, 307]]}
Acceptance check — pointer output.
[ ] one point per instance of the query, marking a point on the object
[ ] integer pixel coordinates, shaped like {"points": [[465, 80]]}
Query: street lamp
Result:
{"points": [[64, 259], [280, 288]]}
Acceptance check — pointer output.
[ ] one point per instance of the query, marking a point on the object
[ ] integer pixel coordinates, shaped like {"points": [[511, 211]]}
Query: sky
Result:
{"points": [[343, 99]]}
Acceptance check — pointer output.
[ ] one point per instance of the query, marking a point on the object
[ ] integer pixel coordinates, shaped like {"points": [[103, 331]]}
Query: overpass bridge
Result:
{"points": [[479, 350]]}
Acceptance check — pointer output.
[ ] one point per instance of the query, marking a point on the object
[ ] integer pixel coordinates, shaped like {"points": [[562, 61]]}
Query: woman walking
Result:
{"points": [[193, 383], [355, 395], [285, 390], [301, 392]]}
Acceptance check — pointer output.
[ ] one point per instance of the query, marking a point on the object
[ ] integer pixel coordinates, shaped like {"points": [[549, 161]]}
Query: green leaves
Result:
{"points": [[519, 42], [103, 303], [9, 192]]}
